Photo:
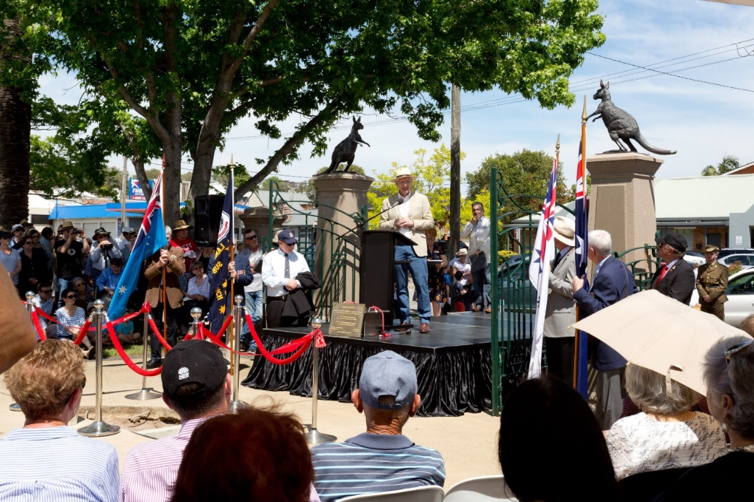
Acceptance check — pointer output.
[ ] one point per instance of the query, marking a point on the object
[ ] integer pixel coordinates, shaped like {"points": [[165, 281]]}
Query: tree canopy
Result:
{"points": [[188, 70], [729, 163]]}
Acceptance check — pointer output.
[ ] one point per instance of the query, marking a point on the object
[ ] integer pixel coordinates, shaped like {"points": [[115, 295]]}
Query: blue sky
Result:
{"points": [[703, 122]]}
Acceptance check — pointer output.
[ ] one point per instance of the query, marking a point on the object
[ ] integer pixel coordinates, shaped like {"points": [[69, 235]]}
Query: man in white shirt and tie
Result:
{"points": [[279, 270]]}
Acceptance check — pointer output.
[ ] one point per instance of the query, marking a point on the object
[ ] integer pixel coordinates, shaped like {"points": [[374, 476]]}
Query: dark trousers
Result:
{"points": [[714, 308], [560, 357], [172, 332], [611, 390], [275, 319]]}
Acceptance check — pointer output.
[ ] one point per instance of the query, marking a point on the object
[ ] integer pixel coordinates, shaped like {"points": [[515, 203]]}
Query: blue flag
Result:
{"points": [[219, 285], [582, 250], [150, 239]]}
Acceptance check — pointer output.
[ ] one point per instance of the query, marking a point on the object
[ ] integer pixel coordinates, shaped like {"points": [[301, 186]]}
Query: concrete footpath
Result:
{"points": [[468, 443]]}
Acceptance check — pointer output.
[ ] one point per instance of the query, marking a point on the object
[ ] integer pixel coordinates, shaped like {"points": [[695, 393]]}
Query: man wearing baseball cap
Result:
{"points": [[196, 385], [675, 276], [279, 270], [381, 459], [561, 308]]}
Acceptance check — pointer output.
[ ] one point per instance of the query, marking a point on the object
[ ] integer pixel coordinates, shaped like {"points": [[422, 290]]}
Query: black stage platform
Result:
{"points": [[453, 364]]}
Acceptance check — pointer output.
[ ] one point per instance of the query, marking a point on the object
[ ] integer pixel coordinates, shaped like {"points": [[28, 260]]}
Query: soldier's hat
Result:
{"points": [[711, 248]]}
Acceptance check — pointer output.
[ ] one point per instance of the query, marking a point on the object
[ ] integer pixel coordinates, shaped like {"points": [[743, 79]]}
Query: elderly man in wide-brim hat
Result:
{"points": [[561, 308], [409, 213], [711, 283]]}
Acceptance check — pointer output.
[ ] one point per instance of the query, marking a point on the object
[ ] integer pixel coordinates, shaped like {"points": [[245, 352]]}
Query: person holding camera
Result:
{"points": [[100, 257], [69, 249]]}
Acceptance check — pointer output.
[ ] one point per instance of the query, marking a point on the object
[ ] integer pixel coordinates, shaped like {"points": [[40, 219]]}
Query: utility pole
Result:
{"points": [[455, 170], [123, 195]]}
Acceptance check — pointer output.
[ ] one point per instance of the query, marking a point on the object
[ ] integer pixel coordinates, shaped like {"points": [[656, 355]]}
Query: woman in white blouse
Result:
{"points": [[197, 294], [666, 434]]}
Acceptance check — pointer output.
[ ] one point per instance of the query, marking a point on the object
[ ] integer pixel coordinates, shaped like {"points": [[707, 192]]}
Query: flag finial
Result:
{"points": [[583, 113]]}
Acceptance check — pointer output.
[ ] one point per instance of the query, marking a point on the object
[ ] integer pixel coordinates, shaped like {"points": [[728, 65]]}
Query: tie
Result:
{"points": [[287, 267], [663, 271], [556, 261]]}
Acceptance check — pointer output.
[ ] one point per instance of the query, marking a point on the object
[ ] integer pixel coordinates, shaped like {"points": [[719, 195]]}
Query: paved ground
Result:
{"points": [[467, 443]]}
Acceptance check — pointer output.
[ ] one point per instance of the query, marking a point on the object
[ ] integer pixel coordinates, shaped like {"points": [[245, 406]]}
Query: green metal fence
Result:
{"points": [[332, 248]]}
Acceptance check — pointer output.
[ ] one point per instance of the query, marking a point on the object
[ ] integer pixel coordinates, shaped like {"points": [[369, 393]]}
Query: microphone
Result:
{"points": [[400, 201]]}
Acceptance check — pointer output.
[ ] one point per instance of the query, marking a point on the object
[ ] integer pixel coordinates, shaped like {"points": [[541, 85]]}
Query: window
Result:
{"points": [[742, 285]]}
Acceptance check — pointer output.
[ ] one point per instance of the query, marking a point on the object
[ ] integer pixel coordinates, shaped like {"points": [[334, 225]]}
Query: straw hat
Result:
{"points": [[565, 230], [403, 172], [181, 225]]}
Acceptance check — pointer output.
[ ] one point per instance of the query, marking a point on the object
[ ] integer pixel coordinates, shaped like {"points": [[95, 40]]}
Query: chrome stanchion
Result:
{"points": [[196, 314], [29, 309], [146, 393], [99, 428], [235, 404], [314, 437]]}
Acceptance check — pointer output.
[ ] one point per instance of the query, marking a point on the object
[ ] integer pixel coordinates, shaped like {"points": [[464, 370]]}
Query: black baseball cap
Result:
{"points": [[675, 241], [197, 362]]}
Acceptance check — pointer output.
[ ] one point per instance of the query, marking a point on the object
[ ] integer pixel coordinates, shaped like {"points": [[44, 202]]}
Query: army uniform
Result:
{"points": [[712, 280]]}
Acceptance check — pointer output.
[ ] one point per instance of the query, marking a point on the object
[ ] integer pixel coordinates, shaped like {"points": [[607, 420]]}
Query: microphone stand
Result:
{"points": [[400, 201]]}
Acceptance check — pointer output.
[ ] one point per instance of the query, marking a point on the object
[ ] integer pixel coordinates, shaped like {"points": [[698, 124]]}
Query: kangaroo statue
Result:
{"points": [[620, 124], [346, 149]]}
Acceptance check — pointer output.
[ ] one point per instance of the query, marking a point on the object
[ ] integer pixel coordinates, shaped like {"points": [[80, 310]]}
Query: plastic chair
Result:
{"points": [[421, 494], [481, 489]]}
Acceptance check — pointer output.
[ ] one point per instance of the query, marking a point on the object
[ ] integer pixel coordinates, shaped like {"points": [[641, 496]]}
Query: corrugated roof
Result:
{"points": [[703, 197]]}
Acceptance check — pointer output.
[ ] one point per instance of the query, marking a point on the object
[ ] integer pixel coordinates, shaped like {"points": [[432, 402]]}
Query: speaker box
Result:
{"points": [[207, 212]]}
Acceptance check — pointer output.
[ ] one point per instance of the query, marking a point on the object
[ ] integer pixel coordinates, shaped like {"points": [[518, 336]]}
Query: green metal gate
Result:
{"points": [[321, 238]]}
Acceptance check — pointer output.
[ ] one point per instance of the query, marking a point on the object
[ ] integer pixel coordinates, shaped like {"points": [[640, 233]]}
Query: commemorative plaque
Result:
{"points": [[347, 319]]}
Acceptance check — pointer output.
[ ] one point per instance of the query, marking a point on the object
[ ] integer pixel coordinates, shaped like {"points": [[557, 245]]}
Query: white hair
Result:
{"points": [[601, 241], [735, 378], [648, 390], [168, 231]]}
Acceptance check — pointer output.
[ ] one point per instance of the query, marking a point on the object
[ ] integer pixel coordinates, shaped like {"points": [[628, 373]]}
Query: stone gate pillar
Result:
{"points": [[341, 195], [622, 199], [258, 218]]}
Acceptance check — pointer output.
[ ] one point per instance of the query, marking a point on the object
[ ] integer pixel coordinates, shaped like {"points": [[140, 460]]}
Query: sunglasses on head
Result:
{"points": [[735, 349]]}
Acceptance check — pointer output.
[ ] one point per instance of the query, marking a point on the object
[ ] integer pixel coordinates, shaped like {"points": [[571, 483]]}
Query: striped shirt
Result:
{"points": [[56, 464], [371, 463], [151, 468], [77, 319]]}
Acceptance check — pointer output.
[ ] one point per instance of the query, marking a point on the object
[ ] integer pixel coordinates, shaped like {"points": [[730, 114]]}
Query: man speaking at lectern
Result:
{"points": [[408, 212]]}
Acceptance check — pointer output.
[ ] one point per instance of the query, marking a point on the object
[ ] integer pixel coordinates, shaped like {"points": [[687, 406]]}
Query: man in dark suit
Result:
{"points": [[675, 277], [612, 281]]}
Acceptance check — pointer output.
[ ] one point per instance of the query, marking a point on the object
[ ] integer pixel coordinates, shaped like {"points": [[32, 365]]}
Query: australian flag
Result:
{"points": [[539, 269], [582, 249], [219, 285], [150, 239]]}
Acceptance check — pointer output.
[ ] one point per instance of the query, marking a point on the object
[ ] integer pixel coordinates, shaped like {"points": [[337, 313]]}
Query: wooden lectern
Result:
{"points": [[376, 269]]}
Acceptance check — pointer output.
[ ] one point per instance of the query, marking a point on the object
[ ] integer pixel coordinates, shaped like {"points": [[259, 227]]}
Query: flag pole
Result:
{"points": [[231, 216], [164, 270], [577, 333]]}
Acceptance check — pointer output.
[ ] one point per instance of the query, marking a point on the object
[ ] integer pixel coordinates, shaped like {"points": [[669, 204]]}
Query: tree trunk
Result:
{"points": [[15, 133], [455, 171], [171, 182]]}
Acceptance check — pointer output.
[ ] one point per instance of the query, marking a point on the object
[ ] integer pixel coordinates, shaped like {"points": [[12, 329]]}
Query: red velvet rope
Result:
{"points": [[158, 335], [125, 357], [289, 347], [307, 340], [37, 325], [83, 331]]}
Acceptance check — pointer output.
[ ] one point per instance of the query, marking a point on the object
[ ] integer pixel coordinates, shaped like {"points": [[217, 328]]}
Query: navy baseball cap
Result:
{"points": [[287, 236], [388, 374]]}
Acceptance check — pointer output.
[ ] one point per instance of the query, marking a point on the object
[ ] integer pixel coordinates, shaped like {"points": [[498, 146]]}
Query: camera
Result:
{"points": [[106, 247], [76, 231]]}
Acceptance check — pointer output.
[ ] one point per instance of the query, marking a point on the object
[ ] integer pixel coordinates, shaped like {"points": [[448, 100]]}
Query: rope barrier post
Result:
{"points": [[29, 309], [196, 314], [146, 393], [235, 404], [314, 437], [99, 428]]}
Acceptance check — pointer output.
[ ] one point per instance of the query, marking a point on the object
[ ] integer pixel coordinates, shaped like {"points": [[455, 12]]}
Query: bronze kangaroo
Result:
{"points": [[620, 124], [346, 149]]}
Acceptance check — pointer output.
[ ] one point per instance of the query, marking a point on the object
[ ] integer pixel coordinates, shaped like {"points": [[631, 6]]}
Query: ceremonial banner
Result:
{"points": [[150, 239], [539, 270], [219, 285]]}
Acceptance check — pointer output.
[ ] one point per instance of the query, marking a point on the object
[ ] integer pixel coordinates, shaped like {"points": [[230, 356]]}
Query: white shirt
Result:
{"points": [[273, 270], [403, 209], [254, 257], [464, 268], [479, 236], [640, 444]]}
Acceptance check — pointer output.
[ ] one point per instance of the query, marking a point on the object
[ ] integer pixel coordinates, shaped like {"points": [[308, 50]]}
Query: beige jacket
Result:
{"points": [[418, 210]]}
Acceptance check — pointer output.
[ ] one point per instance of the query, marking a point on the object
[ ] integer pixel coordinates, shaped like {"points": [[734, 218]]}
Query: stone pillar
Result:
{"points": [[341, 195], [258, 218], [622, 199]]}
